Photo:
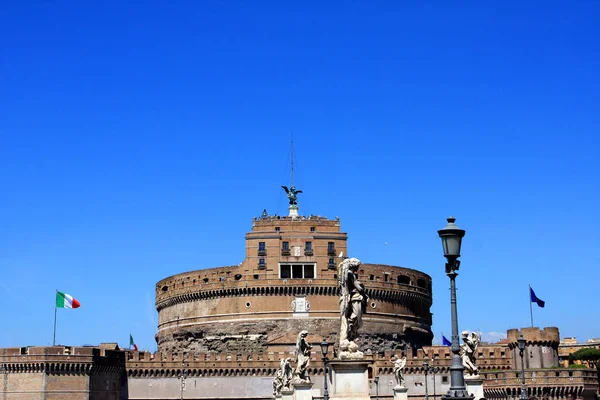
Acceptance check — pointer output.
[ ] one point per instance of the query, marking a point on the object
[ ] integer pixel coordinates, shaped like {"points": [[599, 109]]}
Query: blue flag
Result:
{"points": [[445, 341], [535, 299]]}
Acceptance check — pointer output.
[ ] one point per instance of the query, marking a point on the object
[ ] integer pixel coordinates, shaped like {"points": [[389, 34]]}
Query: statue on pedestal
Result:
{"points": [[302, 358], [353, 303], [283, 377], [467, 352], [399, 364]]}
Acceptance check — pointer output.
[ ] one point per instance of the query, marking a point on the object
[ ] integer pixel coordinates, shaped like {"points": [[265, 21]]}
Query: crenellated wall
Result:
{"points": [[62, 373], [230, 372], [541, 347]]}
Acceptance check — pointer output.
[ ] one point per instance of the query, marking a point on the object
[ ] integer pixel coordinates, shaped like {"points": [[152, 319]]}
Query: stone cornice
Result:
{"points": [[404, 296]]}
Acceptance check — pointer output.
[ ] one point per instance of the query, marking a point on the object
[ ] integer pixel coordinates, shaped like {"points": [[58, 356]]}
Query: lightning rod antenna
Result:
{"points": [[292, 144]]}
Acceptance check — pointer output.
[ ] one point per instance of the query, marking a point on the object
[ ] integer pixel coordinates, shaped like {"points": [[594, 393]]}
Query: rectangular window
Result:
{"points": [[308, 246], [277, 229], [312, 229], [285, 246], [331, 261], [261, 246], [297, 271], [309, 272], [285, 271], [261, 261], [386, 277], [444, 379], [331, 246]]}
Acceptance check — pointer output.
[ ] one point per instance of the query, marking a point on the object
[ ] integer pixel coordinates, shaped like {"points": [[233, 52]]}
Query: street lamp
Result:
{"points": [[451, 237], [432, 370], [377, 387], [324, 352], [521, 341], [426, 368]]}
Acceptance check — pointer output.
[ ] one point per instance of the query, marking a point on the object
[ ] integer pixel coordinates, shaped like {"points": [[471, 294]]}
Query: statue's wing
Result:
{"points": [[286, 189], [402, 362], [298, 191]]}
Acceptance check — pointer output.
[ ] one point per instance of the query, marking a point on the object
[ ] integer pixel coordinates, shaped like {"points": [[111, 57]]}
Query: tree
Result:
{"points": [[589, 355]]}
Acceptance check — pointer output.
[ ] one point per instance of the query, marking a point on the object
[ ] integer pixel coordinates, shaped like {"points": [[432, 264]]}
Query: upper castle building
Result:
{"points": [[288, 283]]}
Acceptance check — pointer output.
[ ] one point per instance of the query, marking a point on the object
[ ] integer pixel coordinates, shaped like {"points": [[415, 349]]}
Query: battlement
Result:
{"points": [[57, 353], [489, 357], [549, 336]]}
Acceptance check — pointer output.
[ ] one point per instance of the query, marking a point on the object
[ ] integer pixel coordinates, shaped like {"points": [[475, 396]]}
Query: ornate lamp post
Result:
{"points": [[451, 237], [432, 370], [324, 352], [426, 369], [521, 341]]}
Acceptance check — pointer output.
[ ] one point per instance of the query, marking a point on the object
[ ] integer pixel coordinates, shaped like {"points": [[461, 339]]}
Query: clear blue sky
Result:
{"points": [[138, 141]]}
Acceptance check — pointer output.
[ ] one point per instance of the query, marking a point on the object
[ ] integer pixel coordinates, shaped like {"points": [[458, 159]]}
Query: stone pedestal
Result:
{"points": [[400, 393], [474, 386], [287, 394], [303, 391], [293, 211], [349, 380]]}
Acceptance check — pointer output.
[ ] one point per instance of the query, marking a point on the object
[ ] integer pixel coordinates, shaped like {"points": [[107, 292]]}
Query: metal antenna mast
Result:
{"points": [[292, 159]]}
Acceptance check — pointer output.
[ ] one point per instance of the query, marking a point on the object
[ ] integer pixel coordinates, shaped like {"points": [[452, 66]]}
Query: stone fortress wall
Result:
{"points": [[231, 371], [62, 373]]}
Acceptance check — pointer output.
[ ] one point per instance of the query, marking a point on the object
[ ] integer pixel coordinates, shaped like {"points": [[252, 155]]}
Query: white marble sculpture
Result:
{"points": [[283, 377], [302, 358], [399, 364], [467, 352], [353, 302]]}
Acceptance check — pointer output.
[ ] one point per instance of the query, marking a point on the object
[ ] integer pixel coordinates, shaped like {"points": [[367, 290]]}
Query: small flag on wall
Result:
{"points": [[64, 300], [132, 342], [535, 299], [445, 341]]}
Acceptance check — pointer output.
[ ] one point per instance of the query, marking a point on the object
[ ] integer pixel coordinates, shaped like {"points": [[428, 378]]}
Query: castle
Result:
{"points": [[222, 332]]}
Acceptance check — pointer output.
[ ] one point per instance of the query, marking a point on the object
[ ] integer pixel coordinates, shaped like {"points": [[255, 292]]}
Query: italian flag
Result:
{"points": [[64, 300], [132, 342]]}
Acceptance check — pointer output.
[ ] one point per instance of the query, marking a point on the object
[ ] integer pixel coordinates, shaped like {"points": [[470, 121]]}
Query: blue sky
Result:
{"points": [[138, 140]]}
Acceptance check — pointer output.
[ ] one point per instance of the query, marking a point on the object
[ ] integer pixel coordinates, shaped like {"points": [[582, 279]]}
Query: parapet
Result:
{"points": [[549, 336]]}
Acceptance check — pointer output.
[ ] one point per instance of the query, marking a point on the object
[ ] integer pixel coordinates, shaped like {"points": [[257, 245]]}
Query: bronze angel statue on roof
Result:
{"points": [[291, 194]]}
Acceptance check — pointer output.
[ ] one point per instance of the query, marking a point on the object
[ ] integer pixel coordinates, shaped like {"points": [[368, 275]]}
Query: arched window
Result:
{"points": [[403, 280]]}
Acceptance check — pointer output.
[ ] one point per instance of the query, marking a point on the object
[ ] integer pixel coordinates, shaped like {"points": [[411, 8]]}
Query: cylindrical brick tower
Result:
{"points": [[288, 283], [541, 349]]}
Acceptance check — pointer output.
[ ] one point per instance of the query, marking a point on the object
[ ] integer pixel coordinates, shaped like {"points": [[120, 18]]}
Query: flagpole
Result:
{"points": [[530, 307], [54, 338]]}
